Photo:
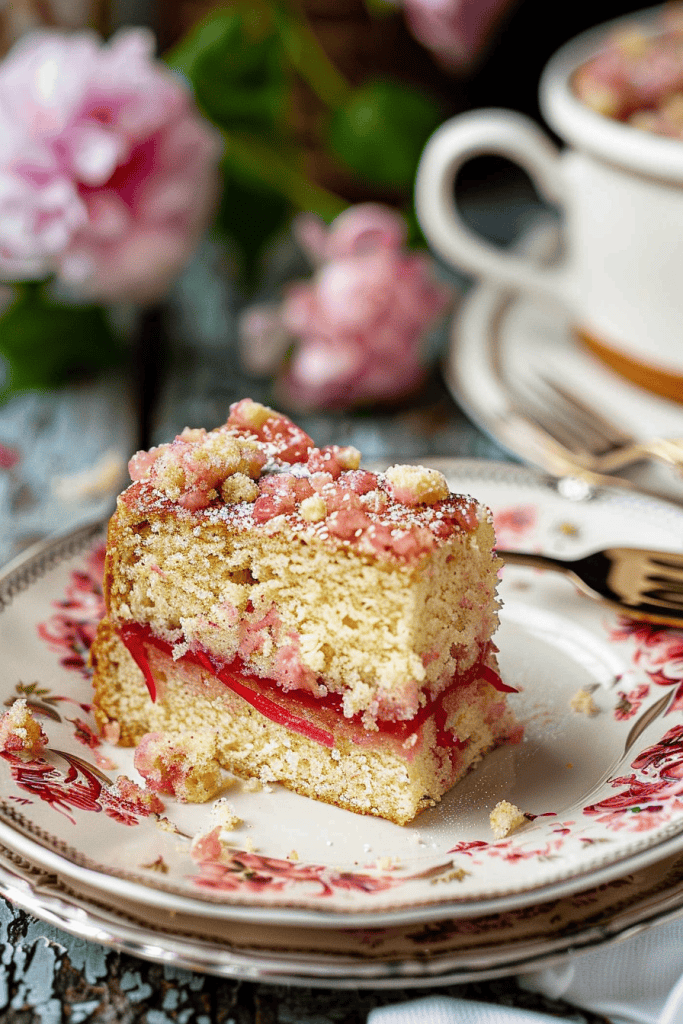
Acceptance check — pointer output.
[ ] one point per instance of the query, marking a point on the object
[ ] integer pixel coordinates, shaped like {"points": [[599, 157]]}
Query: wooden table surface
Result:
{"points": [[62, 456]]}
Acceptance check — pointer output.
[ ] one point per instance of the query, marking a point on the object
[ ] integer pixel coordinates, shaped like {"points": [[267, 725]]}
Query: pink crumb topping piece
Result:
{"points": [[360, 481], [290, 443], [141, 463], [292, 674], [286, 483], [340, 498], [111, 733], [269, 506], [333, 459], [348, 523], [20, 733], [466, 514], [413, 543], [138, 798], [279, 495], [180, 767], [207, 847]]}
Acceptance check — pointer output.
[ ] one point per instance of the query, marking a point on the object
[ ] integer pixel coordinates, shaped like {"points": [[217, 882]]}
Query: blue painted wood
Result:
{"points": [[71, 447]]}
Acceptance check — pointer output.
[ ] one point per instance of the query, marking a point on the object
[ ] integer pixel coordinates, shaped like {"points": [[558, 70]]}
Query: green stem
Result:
{"points": [[270, 167], [31, 290], [309, 58]]}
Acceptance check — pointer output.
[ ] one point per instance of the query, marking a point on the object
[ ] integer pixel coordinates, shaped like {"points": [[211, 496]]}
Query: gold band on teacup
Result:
{"points": [[652, 378]]}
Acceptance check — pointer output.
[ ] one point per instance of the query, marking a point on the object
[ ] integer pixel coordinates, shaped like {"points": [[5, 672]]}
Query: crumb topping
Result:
{"points": [[136, 797], [183, 766], [20, 733], [261, 470], [192, 468], [416, 485], [239, 487], [313, 509]]}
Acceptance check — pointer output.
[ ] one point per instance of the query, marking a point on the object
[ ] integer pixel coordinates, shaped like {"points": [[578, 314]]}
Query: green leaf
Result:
{"points": [[47, 344], [210, 31], [381, 130], [235, 63]]}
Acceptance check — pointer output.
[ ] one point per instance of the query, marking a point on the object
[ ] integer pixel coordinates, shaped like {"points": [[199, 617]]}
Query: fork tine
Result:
{"points": [[674, 586], [555, 428], [568, 420], [609, 432], [664, 598], [577, 420], [667, 560], [552, 417]]}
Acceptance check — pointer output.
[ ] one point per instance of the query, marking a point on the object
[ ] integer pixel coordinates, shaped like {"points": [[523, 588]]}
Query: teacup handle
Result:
{"points": [[480, 133]]}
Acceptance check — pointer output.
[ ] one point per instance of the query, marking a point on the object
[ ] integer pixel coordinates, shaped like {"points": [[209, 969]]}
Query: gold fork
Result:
{"points": [[637, 582], [594, 441]]}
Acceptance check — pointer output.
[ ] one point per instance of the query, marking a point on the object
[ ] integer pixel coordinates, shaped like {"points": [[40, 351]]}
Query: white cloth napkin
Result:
{"points": [[636, 981]]}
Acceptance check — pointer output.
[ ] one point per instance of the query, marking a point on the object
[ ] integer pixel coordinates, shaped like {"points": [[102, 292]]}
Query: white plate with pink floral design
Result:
{"points": [[602, 793]]}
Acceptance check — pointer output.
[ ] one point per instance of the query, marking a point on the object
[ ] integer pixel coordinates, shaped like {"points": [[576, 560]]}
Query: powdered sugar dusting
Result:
{"points": [[259, 455]]}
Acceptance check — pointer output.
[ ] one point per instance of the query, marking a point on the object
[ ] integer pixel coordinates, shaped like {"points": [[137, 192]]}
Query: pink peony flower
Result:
{"points": [[358, 326], [107, 172], [456, 31]]}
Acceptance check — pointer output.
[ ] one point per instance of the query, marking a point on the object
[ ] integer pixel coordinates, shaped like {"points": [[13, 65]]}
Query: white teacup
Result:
{"points": [[620, 190]]}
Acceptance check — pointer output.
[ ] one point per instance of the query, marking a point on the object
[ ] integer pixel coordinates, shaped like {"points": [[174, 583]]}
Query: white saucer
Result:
{"points": [[499, 340]]}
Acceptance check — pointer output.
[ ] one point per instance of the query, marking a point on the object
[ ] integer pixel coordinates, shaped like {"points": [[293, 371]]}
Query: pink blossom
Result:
{"points": [[359, 229], [358, 326], [107, 172], [456, 31]]}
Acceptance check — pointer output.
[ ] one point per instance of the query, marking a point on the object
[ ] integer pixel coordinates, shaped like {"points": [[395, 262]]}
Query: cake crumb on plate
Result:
{"points": [[582, 702], [505, 818]]}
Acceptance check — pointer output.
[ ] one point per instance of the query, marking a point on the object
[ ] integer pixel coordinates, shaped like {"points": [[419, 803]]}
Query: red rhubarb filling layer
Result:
{"points": [[315, 717]]}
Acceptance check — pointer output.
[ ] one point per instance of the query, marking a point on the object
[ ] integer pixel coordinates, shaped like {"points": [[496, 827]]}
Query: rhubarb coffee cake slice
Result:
{"points": [[274, 610]]}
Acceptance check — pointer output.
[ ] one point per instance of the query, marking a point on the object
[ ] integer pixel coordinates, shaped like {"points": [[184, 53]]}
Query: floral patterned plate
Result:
{"points": [[602, 794]]}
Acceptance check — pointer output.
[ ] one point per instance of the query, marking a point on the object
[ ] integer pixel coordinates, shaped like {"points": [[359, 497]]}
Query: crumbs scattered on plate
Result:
{"points": [[582, 702]]}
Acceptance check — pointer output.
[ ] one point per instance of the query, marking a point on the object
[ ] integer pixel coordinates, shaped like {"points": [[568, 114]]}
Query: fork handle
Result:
{"points": [[520, 434], [590, 573], [668, 450], [535, 561]]}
